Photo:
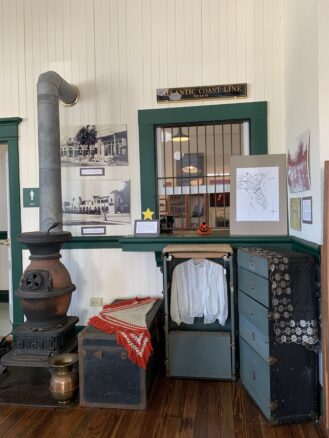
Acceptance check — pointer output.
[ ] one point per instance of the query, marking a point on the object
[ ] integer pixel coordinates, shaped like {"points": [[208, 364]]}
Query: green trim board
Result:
{"points": [[9, 136], [157, 243], [302, 245], [150, 119], [9, 129], [93, 242]]}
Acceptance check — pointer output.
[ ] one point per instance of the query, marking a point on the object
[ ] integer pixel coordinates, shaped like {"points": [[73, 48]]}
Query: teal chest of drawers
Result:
{"points": [[278, 332]]}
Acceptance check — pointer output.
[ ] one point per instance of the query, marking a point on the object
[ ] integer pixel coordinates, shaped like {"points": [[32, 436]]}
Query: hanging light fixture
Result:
{"points": [[180, 136], [190, 169]]}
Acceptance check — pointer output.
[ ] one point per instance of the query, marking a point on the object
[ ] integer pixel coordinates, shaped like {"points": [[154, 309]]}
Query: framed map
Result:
{"points": [[258, 195]]}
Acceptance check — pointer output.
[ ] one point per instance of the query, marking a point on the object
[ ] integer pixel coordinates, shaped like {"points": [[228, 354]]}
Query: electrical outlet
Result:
{"points": [[96, 301]]}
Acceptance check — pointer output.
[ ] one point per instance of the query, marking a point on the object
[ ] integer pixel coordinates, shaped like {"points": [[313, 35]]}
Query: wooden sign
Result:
{"points": [[204, 92]]}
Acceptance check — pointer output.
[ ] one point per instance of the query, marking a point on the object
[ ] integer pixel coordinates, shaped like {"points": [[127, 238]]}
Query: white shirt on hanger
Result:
{"points": [[198, 289]]}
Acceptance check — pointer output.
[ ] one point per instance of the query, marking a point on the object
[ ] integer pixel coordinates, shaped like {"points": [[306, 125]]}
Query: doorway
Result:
{"points": [[5, 320], [10, 221]]}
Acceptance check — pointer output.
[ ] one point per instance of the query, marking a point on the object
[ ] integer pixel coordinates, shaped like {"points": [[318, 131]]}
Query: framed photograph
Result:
{"points": [[258, 195], [307, 216], [102, 204], [295, 214], [147, 228], [94, 145]]}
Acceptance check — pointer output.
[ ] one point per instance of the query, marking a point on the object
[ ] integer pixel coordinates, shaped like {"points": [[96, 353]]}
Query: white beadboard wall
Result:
{"points": [[118, 52], [323, 19], [110, 274], [301, 90]]}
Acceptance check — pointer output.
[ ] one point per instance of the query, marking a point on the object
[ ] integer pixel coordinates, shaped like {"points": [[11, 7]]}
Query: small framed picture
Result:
{"points": [[147, 228], [295, 214], [307, 217]]}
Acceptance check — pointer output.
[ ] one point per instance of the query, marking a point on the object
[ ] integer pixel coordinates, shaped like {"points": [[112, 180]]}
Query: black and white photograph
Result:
{"points": [[94, 202], [94, 145]]}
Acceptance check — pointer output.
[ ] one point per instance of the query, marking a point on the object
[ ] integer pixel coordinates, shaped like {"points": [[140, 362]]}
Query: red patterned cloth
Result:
{"points": [[127, 320]]}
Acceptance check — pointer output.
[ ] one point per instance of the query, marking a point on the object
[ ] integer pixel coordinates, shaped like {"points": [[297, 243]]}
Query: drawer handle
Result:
{"points": [[253, 375], [253, 336], [252, 285]]}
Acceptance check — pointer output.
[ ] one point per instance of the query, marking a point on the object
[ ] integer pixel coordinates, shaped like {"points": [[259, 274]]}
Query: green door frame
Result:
{"points": [[9, 136], [148, 120]]}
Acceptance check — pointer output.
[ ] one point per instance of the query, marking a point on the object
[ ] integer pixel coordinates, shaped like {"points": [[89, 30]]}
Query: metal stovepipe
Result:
{"points": [[51, 89]]}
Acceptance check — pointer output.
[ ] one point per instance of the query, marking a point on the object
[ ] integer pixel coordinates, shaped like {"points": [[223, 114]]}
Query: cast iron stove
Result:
{"points": [[44, 291]]}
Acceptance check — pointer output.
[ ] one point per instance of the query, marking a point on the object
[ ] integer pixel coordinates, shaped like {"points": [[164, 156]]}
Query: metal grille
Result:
{"points": [[193, 175]]}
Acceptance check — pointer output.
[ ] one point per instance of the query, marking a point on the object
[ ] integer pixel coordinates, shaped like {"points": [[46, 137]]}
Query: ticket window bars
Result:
{"points": [[193, 173]]}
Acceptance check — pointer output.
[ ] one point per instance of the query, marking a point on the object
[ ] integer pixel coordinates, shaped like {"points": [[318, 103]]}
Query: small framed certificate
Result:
{"points": [[307, 210], [147, 228]]}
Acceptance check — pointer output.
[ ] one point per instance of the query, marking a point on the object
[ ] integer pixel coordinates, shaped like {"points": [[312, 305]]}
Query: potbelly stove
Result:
{"points": [[44, 291], [45, 287]]}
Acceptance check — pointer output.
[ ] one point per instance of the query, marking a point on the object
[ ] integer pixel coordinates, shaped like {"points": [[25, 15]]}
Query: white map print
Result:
{"points": [[257, 194]]}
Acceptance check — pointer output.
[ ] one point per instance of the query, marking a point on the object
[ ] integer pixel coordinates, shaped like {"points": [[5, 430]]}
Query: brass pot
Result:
{"points": [[64, 381]]}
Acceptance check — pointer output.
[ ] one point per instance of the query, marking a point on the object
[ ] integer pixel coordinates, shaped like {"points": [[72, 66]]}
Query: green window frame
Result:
{"points": [[150, 119]]}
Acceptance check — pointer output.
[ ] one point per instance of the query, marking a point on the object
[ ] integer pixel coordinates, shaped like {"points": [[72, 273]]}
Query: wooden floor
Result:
{"points": [[178, 408]]}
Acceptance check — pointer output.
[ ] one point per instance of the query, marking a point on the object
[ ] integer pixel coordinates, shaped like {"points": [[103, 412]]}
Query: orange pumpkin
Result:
{"points": [[203, 229]]}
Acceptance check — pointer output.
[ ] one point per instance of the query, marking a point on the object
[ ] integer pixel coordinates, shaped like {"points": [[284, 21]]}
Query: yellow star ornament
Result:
{"points": [[148, 214]]}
